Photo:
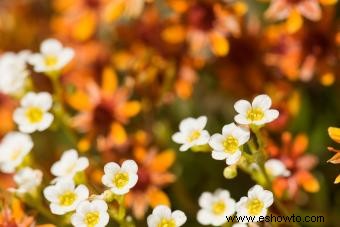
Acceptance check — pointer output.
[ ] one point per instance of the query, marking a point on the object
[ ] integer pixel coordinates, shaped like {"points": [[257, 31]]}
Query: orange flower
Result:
{"points": [[334, 133], [292, 11], [153, 175], [291, 153]]}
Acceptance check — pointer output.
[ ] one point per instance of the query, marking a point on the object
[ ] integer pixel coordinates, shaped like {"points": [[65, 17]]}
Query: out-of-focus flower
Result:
{"points": [[239, 225], [227, 145], [64, 196], [52, 57], [255, 204], [292, 11], [291, 153], [13, 72], [33, 113], [126, 8], [215, 207], [162, 216], [103, 110], [153, 175], [7, 106], [90, 214], [258, 112], [27, 179], [275, 167], [13, 149], [334, 133], [191, 133], [120, 179], [69, 164]]}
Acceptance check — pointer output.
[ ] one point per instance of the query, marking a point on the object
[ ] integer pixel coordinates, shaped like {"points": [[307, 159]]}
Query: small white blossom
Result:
{"points": [[13, 149], [258, 112], [162, 216], [91, 214], [69, 164], [13, 72], [52, 57], [191, 133], [64, 196], [276, 168], [256, 204], [239, 225], [120, 179], [33, 113], [227, 145], [215, 207], [27, 179]]}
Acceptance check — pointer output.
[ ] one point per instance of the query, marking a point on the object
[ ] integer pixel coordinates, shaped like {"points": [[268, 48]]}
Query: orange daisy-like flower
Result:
{"points": [[291, 153], [334, 133], [153, 175], [293, 9]]}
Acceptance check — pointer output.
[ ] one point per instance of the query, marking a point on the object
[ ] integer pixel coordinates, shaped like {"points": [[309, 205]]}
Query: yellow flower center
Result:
{"points": [[255, 206], [230, 144], [219, 207], [50, 60], [194, 135], [167, 223], [91, 218], [121, 179], [255, 114], [34, 114], [67, 198]]}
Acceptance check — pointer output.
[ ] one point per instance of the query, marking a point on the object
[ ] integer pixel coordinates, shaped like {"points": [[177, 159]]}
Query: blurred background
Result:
{"points": [[155, 62]]}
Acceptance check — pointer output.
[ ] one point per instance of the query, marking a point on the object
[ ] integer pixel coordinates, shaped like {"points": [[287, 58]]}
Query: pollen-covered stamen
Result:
{"points": [[121, 179], [255, 114], [67, 198], [230, 144], [254, 206], [219, 207], [167, 223], [50, 60], [194, 135], [91, 219], [34, 114]]}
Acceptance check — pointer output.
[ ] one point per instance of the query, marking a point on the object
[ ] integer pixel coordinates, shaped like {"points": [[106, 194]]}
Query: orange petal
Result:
{"points": [[109, 81], [163, 161], [130, 109], [118, 134], [280, 185], [308, 181], [158, 197], [85, 26], [219, 44], [79, 100], [328, 2], [334, 133], [139, 154], [294, 22], [300, 144], [337, 179], [174, 34], [113, 10], [335, 159]]}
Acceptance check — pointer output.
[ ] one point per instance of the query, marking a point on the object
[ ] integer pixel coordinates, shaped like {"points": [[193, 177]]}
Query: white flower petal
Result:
{"points": [[262, 102], [242, 107], [130, 166], [179, 217], [218, 155], [50, 46]]}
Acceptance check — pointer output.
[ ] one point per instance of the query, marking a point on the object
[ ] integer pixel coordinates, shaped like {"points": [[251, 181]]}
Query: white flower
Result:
{"points": [[275, 168], [227, 145], [52, 57], [13, 72], [255, 204], [163, 217], [120, 179], [64, 196], [13, 149], [69, 164], [257, 113], [27, 179], [32, 115], [91, 214], [215, 207], [239, 225], [191, 133]]}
